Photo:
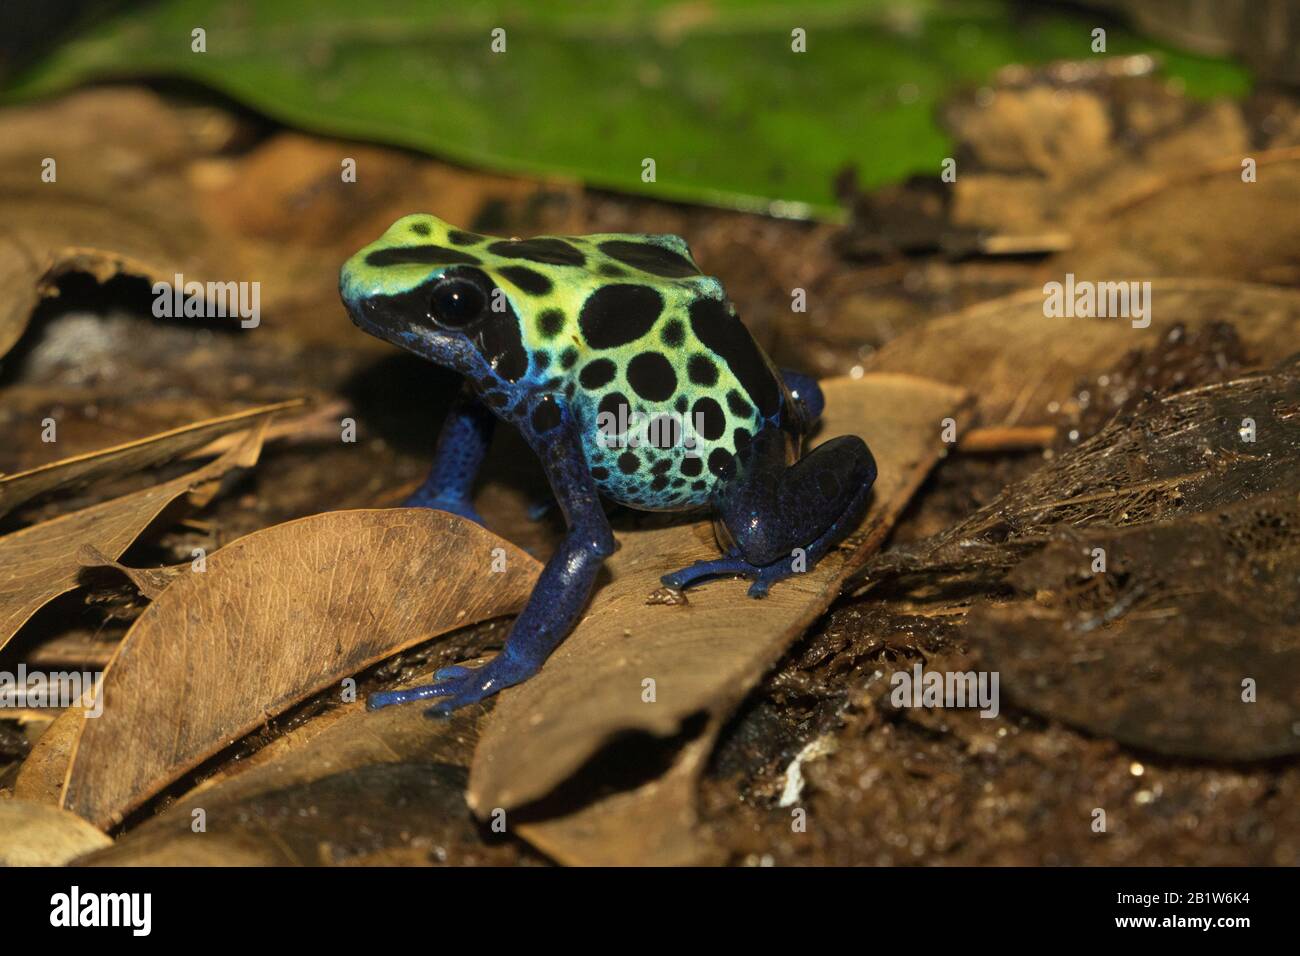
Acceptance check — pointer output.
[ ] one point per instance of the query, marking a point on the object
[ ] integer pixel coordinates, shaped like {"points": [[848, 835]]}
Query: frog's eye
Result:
{"points": [[456, 302]]}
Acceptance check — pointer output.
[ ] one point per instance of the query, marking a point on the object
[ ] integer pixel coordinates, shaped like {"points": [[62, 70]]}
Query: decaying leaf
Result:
{"points": [[1183, 454], [124, 459], [35, 834], [278, 615], [39, 563], [702, 657], [1017, 362], [1152, 572], [1188, 644]]}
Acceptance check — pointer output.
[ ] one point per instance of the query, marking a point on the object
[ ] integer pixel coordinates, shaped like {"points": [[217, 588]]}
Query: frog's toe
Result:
{"points": [[388, 698], [688, 576], [462, 686], [454, 685], [457, 686], [764, 576], [769, 575]]}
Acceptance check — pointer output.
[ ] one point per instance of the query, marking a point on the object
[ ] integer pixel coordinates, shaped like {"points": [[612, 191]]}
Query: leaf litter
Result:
{"points": [[346, 746], [1189, 501], [909, 786], [278, 615], [40, 562]]}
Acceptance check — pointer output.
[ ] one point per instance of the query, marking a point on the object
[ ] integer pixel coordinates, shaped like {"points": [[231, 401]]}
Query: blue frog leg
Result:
{"points": [[565, 583]]}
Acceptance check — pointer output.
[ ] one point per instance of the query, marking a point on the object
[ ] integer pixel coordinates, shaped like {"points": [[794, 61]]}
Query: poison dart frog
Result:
{"points": [[631, 377]]}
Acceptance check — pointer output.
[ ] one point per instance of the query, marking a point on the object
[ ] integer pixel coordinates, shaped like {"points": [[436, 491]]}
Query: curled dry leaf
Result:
{"points": [[79, 647], [148, 581], [988, 347], [107, 216], [39, 563], [612, 831], [124, 459], [40, 778], [36, 834], [704, 656], [279, 614]]}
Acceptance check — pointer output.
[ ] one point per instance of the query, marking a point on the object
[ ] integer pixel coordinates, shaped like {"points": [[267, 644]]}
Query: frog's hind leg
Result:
{"points": [[779, 519]]}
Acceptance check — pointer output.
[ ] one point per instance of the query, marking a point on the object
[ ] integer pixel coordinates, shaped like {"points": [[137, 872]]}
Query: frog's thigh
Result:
{"points": [[768, 506]]}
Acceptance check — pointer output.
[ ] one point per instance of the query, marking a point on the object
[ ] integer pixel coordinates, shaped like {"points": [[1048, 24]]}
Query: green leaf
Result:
{"points": [[711, 91]]}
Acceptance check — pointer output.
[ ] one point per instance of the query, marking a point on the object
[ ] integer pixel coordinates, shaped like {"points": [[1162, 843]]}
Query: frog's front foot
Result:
{"points": [[455, 506], [457, 686], [763, 576]]}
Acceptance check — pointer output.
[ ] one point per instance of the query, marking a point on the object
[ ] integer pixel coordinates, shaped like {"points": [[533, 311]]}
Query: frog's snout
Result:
{"points": [[360, 306], [349, 290]]}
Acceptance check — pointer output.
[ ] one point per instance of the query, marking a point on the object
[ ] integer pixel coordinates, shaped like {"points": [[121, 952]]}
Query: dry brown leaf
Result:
{"points": [[612, 831], [126, 458], [35, 834], [40, 778], [989, 348], [339, 742], [406, 813], [1211, 225], [109, 215], [80, 646], [39, 563], [279, 614], [706, 655]]}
